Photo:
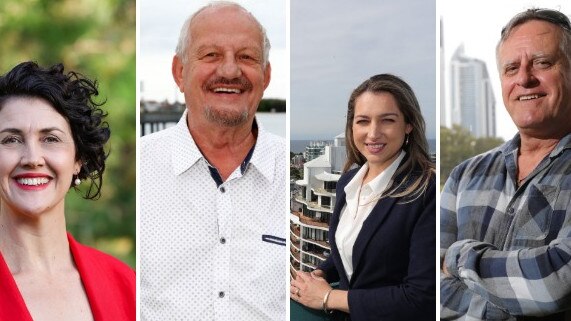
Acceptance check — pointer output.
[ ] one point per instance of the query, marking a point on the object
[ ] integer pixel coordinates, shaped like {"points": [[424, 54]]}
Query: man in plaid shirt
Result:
{"points": [[505, 229]]}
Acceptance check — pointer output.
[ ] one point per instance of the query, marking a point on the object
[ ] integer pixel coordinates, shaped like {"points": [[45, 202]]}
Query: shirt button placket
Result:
{"points": [[224, 211]]}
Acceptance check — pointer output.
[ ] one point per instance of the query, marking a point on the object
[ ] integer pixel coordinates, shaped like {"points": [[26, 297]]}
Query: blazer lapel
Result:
{"points": [[332, 230], [370, 226], [93, 282], [12, 305]]}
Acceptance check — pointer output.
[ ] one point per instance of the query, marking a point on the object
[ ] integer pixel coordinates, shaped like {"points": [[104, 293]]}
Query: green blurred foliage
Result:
{"points": [[295, 173], [95, 38], [457, 145], [272, 105]]}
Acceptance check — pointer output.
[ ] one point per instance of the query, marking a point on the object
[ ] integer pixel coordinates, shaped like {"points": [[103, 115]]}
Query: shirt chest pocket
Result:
{"points": [[534, 218]]}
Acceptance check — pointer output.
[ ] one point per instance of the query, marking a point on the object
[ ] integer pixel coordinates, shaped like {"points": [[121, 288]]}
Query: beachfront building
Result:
{"points": [[312, 203], [314, 150]]}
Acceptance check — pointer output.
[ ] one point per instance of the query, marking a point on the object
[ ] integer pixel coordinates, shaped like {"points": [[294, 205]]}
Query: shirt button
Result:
{"points": [[511, 210], [222, 240], [221, 294], [222, 189]]}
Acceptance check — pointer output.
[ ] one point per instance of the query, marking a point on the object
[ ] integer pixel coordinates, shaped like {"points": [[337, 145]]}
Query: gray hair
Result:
{"points": [[552, 16], [184, 37]]}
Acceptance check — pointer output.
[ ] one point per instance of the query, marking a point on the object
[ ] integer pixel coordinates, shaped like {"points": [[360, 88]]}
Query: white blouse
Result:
{"points": [[359, 202]]}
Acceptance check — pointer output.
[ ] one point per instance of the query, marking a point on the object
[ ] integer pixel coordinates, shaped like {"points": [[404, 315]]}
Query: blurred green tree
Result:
{"points": [[457, 145], [95, 38]]}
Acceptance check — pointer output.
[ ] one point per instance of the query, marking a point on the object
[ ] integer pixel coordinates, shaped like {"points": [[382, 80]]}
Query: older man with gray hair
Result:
{"points": [[213, 187], [506, 215]]}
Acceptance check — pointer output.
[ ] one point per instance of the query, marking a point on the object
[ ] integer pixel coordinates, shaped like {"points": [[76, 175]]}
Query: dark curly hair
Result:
{"points": [[72, 96]]}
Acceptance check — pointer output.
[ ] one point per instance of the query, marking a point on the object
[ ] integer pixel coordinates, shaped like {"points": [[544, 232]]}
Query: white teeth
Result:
{"points": [[227, 90], [528, 97], [33, 181], [375, 145]]}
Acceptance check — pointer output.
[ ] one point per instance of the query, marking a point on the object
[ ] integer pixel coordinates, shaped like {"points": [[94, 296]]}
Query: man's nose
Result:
{"points": [[525, 77], [229, 67]]}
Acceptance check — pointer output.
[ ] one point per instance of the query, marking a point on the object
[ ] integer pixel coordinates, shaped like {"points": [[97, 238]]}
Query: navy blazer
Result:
{"points": [[394, 259]]}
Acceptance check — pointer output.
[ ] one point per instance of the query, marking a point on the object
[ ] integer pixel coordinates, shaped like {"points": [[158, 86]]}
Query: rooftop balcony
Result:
{"points": [[292, 272], [295, 231], [316, 254], [301, 183], [312, 222], [296, 256], [314, 206], [311, 266], [300, 199], [296, 244], [323, 192], [294, 264], [323, 244]]}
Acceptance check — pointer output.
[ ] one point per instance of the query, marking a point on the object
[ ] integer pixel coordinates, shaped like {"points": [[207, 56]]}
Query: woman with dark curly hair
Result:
{"points": [[383, 229], [52, 137]]}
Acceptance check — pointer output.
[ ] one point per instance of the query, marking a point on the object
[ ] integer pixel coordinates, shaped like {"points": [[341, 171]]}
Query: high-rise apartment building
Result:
{"points": [[472, 102], [312, 203]]}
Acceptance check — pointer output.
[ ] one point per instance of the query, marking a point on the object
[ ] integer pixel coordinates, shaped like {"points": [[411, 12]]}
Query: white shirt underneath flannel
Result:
{"points": [[208, 252]]}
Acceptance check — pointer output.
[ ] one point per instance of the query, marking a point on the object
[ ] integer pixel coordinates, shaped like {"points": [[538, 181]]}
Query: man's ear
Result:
{"points": [[267, 75], [177, 72]]}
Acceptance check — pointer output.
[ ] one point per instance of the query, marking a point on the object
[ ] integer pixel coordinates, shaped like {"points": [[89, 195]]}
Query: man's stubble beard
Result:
{"points": [[225, 118]]}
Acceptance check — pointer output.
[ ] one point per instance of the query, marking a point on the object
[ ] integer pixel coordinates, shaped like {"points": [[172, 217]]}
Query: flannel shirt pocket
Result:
{"points": [[535, 217]]}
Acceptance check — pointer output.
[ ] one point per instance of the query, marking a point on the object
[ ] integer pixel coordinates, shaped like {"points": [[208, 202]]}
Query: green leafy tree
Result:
{"points": [[295, 173], [457, 145], [97, 39]]}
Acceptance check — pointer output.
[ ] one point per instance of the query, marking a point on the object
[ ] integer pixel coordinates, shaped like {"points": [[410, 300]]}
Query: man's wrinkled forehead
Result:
{"points": [[221, 14]]}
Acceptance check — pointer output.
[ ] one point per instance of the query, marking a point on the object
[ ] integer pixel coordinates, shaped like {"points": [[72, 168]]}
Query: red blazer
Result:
{"points": [[108, 282]]}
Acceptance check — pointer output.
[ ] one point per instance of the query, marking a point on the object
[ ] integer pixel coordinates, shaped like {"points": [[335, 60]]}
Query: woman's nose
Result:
{"points": [[32, 156], [374, 130]]}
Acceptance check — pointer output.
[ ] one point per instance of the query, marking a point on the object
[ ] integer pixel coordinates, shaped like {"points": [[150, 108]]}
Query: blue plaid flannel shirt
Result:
{"points": [[507, 248]]}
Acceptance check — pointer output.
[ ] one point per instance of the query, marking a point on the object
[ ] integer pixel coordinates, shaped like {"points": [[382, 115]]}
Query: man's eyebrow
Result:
{"points": [[534, 56]]}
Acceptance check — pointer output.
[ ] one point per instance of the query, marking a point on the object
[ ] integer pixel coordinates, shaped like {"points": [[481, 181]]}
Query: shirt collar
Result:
{"points": [[186, 154], [513, 145], [380, 183], [377, 184], [265, 153]]}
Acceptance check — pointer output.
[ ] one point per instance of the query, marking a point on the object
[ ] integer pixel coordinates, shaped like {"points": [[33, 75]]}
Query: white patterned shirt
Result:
{"points": [[212, 252]]}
